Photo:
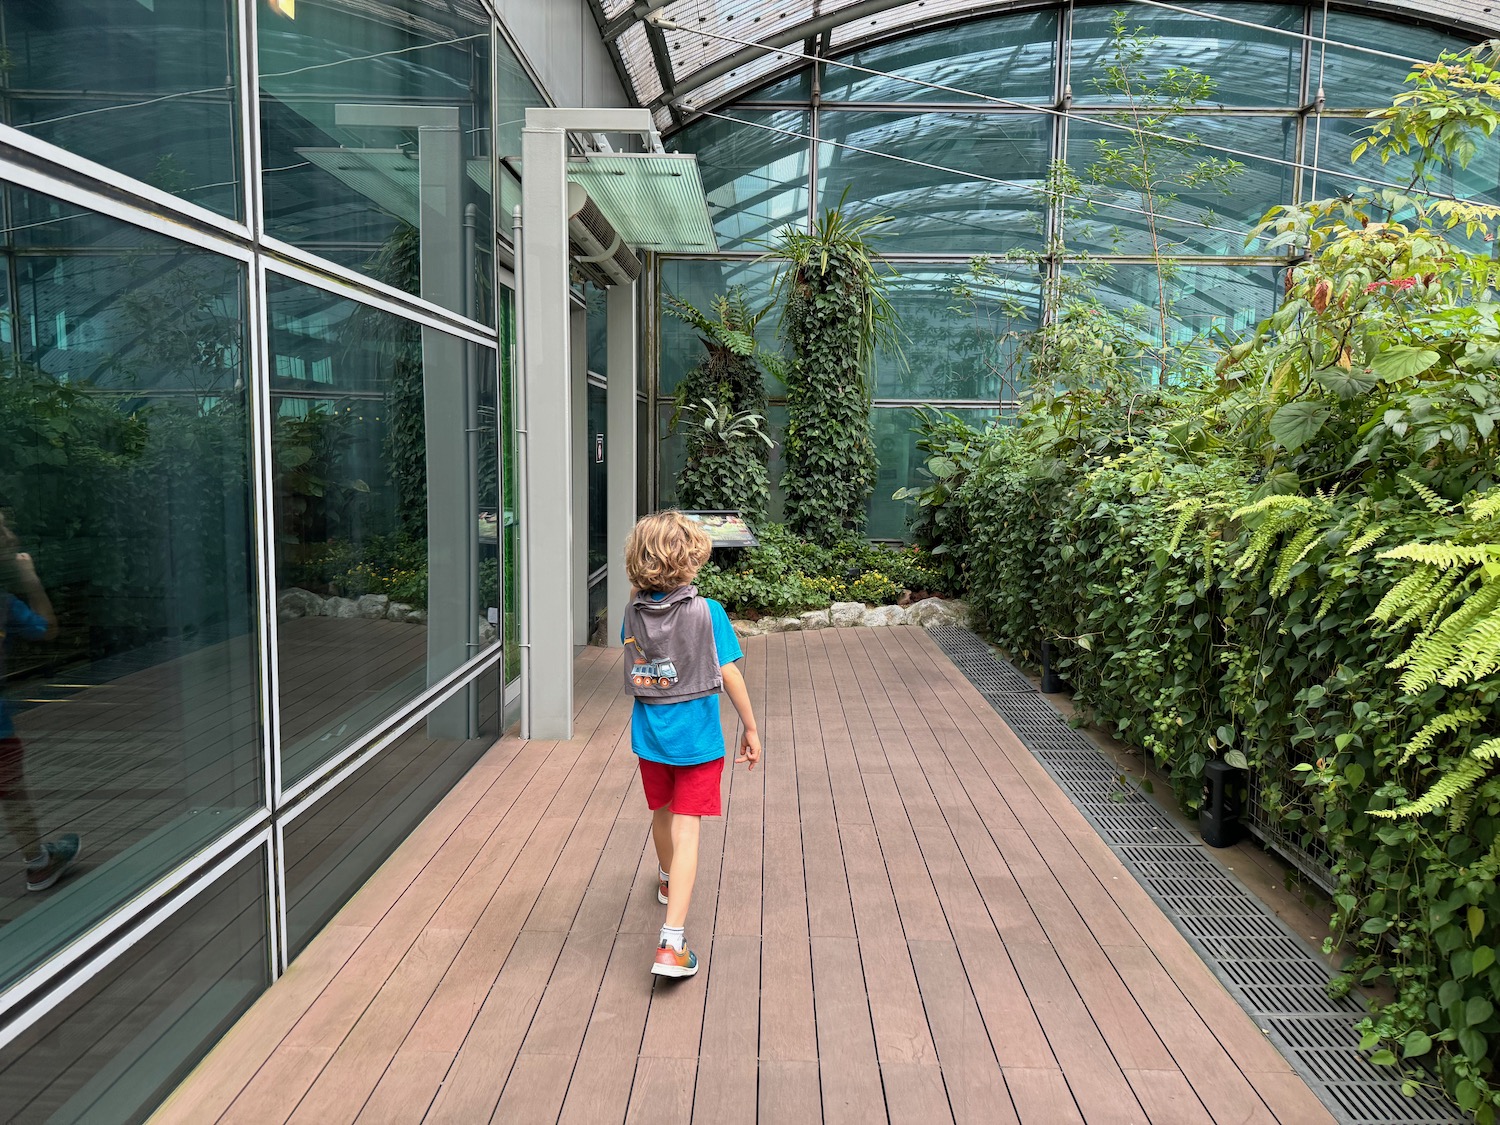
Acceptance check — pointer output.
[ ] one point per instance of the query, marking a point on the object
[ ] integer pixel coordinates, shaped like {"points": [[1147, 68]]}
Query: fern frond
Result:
{"points": [[1425, 606], [1458, 812], [1478, 655], [1464, 775], [1188, 509], [1369, 538], [1444, 555], [1296, 549], [1432, 656], [1487, 751], [1435, 503], [1404, 594], [1285, 518], [1325, 603], [1484, 506], [1277, 503], [1442, 724]]}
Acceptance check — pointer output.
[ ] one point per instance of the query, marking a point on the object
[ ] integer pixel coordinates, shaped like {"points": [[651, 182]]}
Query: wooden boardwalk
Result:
{"points": [[900, 918]]}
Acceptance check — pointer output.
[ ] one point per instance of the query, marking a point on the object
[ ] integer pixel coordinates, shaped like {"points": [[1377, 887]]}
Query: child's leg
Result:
{"points": [[683, 869], [661, 834], [15, 801]]}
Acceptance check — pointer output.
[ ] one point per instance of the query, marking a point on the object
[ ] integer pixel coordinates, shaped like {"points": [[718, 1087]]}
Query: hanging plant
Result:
{"points": [[721, 407], [834, 317]]}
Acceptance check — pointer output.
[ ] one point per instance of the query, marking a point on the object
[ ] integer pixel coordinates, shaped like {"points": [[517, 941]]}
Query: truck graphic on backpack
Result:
{"points": [[653, 673]]}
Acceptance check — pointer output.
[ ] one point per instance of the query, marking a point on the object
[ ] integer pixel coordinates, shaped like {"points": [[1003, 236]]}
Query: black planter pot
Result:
{"points": [[1051, 681], [1219, 817]]}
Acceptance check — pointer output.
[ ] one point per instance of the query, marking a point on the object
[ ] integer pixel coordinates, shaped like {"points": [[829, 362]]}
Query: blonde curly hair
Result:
{"points": [[665, 550]]}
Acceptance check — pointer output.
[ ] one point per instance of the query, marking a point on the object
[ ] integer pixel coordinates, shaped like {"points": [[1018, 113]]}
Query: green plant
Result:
{"points": [[726, 465], [834, 316]]}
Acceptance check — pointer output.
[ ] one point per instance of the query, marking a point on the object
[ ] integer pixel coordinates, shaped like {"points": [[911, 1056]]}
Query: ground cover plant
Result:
{"points": [[1288, 557]]}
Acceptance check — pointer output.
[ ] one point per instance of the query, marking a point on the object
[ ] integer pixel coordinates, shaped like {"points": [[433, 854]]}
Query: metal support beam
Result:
{"points": [[547, 542], [620, 448]]}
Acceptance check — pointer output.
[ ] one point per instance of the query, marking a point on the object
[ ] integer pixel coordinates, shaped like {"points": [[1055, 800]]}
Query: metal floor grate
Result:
{"points": [[1270, 970]]}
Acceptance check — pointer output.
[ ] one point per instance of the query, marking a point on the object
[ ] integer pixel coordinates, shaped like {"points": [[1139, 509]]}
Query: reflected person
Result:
{"points": [[30, 618]]}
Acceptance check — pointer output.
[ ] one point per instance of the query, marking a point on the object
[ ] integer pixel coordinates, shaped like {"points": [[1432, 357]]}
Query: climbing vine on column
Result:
{"points": [[834, 316]]}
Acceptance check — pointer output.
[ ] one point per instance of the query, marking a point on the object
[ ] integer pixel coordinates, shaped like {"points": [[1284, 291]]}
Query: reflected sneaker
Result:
{"points": [[661, 892], [57, 856], [670, 963]]}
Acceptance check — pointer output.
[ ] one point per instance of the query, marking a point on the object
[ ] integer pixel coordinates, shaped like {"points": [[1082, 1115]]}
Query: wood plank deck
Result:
{"points": [[900, 918]]}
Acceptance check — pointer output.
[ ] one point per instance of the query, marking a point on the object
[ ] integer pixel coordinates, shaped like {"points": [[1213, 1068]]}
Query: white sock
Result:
{"points": [[673, 936], [662, 874]]}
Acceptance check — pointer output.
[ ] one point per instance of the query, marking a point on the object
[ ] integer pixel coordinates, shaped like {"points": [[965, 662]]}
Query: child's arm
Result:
{"points": [[734, 686], [36, 597]]}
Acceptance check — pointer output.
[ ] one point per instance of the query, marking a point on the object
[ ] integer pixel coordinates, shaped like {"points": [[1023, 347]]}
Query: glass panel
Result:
{"points": [[673, 454], [755, 179], [794, 88], [1356, 80], [367, 111], [1009, 57], [378, 508], [1204, 300], [334, 848], [518, 93], [598, 480], [960, 332], [598, 329], [116, 1048], [900, 466], [124, 475], [934, 210], [148, 89], [1249, 67], [510, 609], [1212, 218], [698, 282]]}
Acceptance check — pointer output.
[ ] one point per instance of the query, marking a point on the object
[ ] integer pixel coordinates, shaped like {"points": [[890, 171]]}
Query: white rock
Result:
{"points": [[936, 611], [744, 628], [341, 607], [297, 602], [374, 606], [417, 617], [846, 615], [815, 619], [397, 611], [487, 633], [885, 615], [783, 625]]}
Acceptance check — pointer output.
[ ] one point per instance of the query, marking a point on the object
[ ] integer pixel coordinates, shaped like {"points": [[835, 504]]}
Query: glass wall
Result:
{"points": [[953, 141], [256, 514]]}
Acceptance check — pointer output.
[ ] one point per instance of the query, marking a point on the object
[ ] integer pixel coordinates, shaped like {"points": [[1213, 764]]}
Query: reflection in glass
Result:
{"points": [[1011, 57], [598, 478], [518, 93], [699, 282], [1206, 300], [147, 89], [936, 211], [124, 476], [384, 502], [510, 524], [375, 135], [336, 846], [901, 464], [1212, 218], [755, 179], [1250, 67], [1358, 80], [115, 1048], [960, 332]]}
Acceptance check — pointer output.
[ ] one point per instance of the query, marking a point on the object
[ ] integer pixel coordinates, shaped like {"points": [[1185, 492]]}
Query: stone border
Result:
{"points": [[928, 613]]}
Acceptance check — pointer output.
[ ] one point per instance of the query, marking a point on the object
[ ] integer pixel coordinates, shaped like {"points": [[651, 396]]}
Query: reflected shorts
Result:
{"points": [[12, 775], [690, 790]]}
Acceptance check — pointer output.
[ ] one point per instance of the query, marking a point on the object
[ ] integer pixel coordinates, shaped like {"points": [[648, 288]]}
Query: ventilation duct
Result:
{"points": [[599, 254]]}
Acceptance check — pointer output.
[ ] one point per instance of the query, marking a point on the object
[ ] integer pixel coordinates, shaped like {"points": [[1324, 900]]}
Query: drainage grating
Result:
{"points": [[1264, 965]]}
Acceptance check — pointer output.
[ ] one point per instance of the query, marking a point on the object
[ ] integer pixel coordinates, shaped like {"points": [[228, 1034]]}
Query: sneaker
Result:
{"points": [[58, 855], [670, 963], [661, 892]]}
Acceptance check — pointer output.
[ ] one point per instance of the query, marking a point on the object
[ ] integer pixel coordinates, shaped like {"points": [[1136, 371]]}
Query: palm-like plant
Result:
{"points": [[726, 459]]}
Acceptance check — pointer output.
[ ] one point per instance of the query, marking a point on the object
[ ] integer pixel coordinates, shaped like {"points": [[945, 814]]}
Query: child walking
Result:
{"points": [[680, 652]]}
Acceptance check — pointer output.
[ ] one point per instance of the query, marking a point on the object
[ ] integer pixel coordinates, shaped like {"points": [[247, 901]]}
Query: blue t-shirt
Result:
{"points": [[17, 619], [686, 733]]}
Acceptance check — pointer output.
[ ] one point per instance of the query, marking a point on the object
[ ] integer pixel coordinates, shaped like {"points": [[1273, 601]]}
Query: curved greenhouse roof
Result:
{"points": [[696, 53]]}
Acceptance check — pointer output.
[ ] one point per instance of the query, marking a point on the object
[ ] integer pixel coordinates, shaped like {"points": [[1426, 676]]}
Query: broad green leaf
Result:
{"points": [[1476, 921], [1295, 424], [1403, 362]]}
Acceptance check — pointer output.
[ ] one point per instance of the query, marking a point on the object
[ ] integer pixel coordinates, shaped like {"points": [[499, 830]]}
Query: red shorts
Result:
{"points": [[690, 790], [12, 775]]}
